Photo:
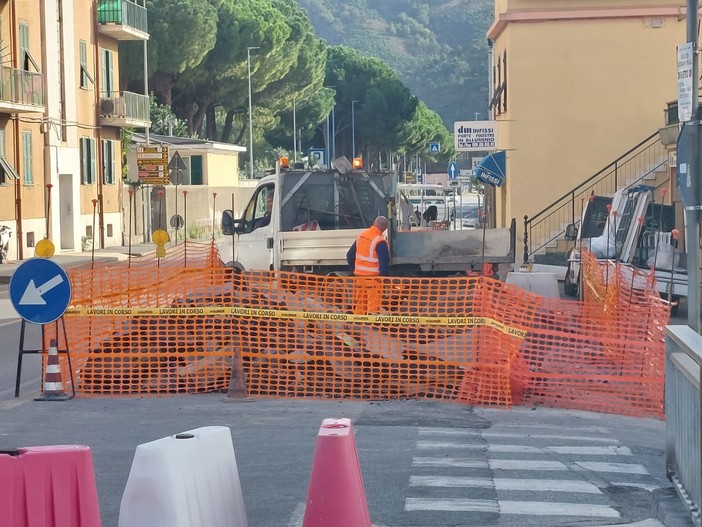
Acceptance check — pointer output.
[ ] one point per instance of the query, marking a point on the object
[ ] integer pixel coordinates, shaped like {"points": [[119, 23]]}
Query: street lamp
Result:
{"points": [[248, 62], [353, 128]]}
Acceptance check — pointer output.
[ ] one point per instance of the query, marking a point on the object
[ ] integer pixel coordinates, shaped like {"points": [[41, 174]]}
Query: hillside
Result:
{"points": [[438, 47]]}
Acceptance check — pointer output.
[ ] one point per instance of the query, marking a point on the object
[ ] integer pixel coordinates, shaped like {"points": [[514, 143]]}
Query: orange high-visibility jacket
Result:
{"points": [[367, 263]]}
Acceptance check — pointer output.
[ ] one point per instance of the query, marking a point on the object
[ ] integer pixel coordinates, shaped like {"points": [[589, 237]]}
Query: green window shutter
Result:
{"points": [[92, 169], [83, 64], [107, 72], [84, 156], [108, 161], [27, 151], [196, 170], [24, 44]]}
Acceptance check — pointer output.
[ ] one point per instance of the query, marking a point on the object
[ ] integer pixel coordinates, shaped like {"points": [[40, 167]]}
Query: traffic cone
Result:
{"points": [[336, 495], [53, 384], [236, 393]]}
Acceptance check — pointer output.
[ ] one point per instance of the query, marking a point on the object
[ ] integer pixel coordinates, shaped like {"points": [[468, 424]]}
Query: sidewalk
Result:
{"points": [[69, 259]]}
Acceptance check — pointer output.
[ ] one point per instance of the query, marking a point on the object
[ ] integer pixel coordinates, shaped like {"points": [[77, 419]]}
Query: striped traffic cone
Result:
{"points": [[53, 384]]}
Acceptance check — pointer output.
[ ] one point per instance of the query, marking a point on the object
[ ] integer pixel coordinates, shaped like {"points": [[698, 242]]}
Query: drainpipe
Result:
{"points": [[18, 181], [46, 129], [98, 140]]}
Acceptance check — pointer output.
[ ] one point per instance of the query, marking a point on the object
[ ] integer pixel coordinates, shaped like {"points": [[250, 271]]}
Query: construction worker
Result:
{"points": [[368, 258]]}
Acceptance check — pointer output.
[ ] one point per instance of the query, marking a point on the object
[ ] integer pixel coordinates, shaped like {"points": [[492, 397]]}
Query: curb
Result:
{"points": [[669, 509]]}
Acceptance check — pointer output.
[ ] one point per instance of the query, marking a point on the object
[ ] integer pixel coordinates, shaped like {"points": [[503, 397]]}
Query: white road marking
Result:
{"points": [[525, 464], [448, 462], [649, 488], [506, 435], [545, 485], [535, 508], [494, 464], [427, 504], [543, 508], [297, 516], [622, 468], [428, 445], [610, 450]]}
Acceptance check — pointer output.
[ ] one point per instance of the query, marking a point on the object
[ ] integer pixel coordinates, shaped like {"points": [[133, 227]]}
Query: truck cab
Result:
{"points": [[308, 225]]}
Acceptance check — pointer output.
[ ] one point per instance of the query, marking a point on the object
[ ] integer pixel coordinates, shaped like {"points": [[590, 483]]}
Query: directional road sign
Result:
{"points": [[434, 148], [152, 164], [40, 291], [452, 170]]}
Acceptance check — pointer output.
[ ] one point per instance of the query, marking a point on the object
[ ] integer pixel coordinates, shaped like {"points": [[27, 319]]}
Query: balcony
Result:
{"points": [[124, 109], [21, 91], [123, 19]]}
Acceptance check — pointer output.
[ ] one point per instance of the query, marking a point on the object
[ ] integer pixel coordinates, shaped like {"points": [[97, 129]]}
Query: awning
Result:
{"points": [[491, 169], [7, 168]]}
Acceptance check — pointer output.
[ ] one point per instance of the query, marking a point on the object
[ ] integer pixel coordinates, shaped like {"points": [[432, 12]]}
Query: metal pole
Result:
{"points": [[333, 125], [146, 87], [294, 132], [353, 128], [692, 230], [248, 62]]}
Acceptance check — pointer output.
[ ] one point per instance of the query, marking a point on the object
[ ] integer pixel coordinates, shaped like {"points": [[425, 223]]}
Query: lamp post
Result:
{"points": [[353, 128], [294, 132], [248, 62], [333, 125]]}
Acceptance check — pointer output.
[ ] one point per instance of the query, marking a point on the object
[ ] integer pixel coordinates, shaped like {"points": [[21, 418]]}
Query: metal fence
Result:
{"points": [[682, 404], [21, 87]]}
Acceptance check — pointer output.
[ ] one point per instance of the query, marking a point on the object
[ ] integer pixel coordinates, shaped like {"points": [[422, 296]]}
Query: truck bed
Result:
{"points": [[316, 248]]}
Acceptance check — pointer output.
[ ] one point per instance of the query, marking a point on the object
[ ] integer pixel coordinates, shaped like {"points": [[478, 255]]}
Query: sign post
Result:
{"points": [[40, 292], [689, 169]]}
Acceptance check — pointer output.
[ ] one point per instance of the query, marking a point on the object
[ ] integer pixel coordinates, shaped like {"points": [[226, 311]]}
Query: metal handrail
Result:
{"points": [[606, 177]]}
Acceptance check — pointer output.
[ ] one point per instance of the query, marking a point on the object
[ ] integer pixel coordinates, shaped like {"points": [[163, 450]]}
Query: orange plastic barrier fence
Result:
{"points": [[170, 329]]}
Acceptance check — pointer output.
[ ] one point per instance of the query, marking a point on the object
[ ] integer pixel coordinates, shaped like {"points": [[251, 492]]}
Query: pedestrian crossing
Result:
{"points": [[538, 476]]}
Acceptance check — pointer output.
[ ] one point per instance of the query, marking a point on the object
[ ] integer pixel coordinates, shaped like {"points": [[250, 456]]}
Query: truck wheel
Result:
{"points": [[570, 288]]}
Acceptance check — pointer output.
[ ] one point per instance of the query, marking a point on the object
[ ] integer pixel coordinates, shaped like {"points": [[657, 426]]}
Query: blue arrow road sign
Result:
{"points": [[453, 170], [434, 148], [40, 291]]}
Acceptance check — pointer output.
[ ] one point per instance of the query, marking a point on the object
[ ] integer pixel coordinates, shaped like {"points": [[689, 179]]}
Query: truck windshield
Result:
{"points": [[330, 201]]}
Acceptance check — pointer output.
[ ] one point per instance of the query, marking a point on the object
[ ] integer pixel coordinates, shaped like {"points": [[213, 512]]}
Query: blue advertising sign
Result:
{"points": [[40, 291]]}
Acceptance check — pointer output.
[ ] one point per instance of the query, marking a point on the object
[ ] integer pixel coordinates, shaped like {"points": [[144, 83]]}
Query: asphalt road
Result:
{"points": [[424, 463]]}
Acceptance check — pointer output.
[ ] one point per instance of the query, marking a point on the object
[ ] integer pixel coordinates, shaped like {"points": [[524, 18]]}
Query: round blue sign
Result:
{"points": [[40, 291]]}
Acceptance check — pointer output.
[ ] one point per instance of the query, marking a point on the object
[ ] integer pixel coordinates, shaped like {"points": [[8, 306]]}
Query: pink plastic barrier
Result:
{"points": [[48, 486]]}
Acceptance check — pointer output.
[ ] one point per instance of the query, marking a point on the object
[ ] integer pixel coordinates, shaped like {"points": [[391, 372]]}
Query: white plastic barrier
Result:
{"points": [[186, 480], [544, 284]]}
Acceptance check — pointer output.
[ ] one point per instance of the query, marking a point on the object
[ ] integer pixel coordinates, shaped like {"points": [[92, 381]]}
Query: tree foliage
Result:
{"points": [[199, 68]]}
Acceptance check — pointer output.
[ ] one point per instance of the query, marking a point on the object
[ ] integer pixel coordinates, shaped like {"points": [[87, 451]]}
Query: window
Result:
{"points": [[107, 78], [499, 76], [84, 73], [27, 157], [87, 160], [25, 55], [108, 162], [6, 171], [196, 170]]}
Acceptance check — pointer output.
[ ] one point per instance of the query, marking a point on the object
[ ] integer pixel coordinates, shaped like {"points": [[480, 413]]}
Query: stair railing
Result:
{"points": [[627, 170]]}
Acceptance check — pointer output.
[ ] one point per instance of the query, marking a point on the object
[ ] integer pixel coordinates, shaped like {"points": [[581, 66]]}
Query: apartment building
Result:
{"points": [[61, 113], [575, 84]]}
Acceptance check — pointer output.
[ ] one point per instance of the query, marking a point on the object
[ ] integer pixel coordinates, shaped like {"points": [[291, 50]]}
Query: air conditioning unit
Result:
{"points": [[107, 107]]}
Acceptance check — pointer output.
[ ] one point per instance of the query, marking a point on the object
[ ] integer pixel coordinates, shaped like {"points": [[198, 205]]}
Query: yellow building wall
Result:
{"points": [[579, 94], [221, 170]]}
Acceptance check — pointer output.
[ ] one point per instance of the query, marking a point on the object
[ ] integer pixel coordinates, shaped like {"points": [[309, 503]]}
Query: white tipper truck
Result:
{"points": [[316, 215]]}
